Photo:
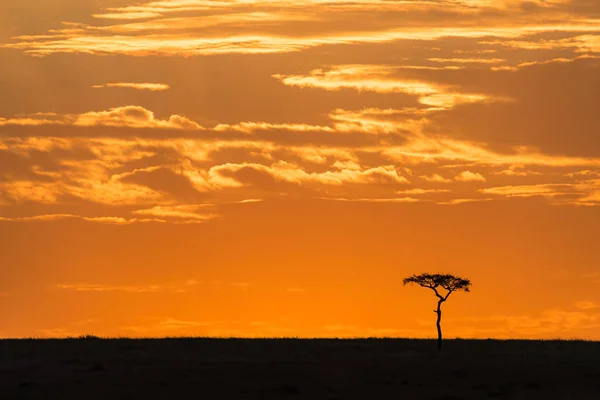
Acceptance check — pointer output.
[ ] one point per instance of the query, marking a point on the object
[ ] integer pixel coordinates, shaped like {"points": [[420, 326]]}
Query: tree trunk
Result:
{"points": [[438, 323]]}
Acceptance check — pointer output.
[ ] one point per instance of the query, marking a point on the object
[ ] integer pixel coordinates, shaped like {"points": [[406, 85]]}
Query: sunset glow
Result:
{"points": [[276, 168]]}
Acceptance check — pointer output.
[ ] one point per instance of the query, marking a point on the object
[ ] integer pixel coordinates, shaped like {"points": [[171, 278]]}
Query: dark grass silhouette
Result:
{"points": [[435, 282], [94, 368]]}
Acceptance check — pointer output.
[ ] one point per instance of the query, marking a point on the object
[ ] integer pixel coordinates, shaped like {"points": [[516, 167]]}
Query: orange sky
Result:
{"points": [[275, 168]]}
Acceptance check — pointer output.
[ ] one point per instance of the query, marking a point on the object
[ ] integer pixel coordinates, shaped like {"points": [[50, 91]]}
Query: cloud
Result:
{"points": [[233, 29], [121, 117], [23, 191], [465, 7], [463, 200], [167, 217], [380, 79], [584, 173], [543, 62], [418, 146], [377, 121], [323, 155], [367, 148], [429, 148], [86, 287], [516, 170], [423, 191], [586, 192], [468, 60], [249, 127], [468, 176], [247, 201], [172, 181], [133, 117], [347, 165], [579, 43], [110, 191], [48, 217], [527, 190], [121, 220], [435, 178], [191, 22], [291, 173], [375, 200], [154, 87], [190, 212], [127, 15]]}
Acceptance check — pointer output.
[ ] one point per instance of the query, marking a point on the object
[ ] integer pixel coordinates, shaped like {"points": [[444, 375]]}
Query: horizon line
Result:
{"points": [[349, 338]]}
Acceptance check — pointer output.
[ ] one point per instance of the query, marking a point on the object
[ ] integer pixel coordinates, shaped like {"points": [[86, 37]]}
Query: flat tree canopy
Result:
{"points": [[433, 281]]}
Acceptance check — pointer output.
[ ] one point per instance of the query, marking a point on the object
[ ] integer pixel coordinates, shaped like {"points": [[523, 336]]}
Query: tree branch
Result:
{"points": [[436, 292]]}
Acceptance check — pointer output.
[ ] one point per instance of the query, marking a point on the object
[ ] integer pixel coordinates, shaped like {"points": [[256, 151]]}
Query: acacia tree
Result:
{"points": [[450, 283]]}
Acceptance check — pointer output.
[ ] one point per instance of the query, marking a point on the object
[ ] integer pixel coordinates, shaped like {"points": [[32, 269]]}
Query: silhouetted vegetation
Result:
{"points": [[320, 369], [450, 283], [87, 337]]}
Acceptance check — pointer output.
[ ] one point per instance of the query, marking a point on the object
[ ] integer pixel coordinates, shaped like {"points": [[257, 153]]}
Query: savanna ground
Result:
{"points": [[298, 369]]}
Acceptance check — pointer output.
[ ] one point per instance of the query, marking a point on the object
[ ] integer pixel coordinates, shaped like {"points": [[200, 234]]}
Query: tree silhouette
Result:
{"points": [[450, 283]]}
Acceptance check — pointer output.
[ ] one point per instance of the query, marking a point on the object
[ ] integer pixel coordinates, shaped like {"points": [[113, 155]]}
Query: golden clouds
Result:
{"points": [[287, 172], [126, 116], [58, 217], [20, 191], [127, 15], [249, 127], [35, 119], [532, 63], [468, 176], [468, 60], [378, 200], [193, 22], [197, 28], [437, 178], [463, 201], [589, 43], [49, 217], [380, 79], [87, 287], [162, 214], [526, 190], [154, 87], [119, 220], [133, 117], [583, 193], [109, 191], [422, 191], [189, 212], [376, 121], [127, 172], [423, 149], [183, 44]]}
